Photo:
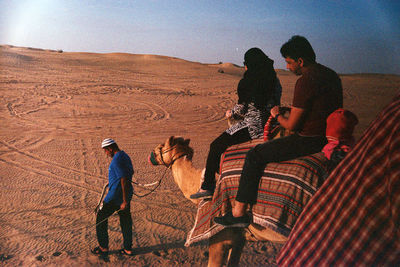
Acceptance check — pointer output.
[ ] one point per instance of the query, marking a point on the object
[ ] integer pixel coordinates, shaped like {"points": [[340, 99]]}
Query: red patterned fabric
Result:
{"points": [[354, 219], [284, 190]]}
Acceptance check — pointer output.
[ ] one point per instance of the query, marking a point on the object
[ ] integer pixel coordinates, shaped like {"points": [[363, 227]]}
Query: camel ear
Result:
{"points": [[186, 142], [171, 140]]}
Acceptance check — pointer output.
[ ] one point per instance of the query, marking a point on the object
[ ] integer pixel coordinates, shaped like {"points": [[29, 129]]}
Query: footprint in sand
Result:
{"points": [[40, 258], [5, 257], [157, 253]]}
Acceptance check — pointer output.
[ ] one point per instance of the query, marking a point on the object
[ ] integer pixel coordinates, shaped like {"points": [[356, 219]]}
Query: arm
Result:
{"points": [[101, 199], [124, 186], [294, 119], [238, 111]]}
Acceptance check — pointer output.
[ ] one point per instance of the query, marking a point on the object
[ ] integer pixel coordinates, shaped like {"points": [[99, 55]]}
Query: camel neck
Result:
{"points": [[186, 176]]}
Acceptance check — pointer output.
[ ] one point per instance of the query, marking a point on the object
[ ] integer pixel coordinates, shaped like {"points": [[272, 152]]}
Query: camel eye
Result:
{"points": [[158, 149]]}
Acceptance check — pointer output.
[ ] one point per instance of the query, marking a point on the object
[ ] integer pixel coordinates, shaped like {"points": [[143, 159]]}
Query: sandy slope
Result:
{"points": [[55, 108]]}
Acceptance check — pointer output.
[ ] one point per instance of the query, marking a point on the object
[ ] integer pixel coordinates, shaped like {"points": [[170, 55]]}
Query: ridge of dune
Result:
{"points": [[226, 65], [111, 55]]}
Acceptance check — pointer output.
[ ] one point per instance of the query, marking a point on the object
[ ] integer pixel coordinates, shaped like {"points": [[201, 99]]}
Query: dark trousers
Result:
{"points": [[125, 220], [276, 150], [217, 147]]}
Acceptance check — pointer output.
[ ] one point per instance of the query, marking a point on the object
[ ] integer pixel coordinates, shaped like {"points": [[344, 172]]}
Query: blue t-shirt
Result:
{"points": [[120, 166]]}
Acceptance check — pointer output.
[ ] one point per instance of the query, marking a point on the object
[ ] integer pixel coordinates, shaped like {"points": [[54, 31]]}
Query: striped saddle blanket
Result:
{"points": [[284, 190]]}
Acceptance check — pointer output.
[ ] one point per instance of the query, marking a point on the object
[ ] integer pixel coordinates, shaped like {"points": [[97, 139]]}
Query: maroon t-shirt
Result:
{"points": [[319, 92]]}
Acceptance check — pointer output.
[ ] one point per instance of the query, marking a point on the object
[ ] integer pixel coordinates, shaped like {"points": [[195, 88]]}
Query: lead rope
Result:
{"points": [[151, 184], [100, 203], [162, 177]]}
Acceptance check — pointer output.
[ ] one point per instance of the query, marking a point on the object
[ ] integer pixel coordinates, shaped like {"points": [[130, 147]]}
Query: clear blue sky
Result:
{"points": [[348, 36]]}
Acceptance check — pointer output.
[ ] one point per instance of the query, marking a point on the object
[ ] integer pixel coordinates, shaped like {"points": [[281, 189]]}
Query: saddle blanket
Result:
{"points": [[284, 190]]}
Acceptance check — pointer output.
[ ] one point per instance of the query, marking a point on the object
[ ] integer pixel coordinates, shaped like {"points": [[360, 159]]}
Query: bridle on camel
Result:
{"points": [[173, 159], [165, 164]]}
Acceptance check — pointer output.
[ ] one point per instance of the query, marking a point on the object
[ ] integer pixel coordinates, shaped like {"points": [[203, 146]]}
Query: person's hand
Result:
{"points": [[275, 111], [228, 113], [123, 206]]}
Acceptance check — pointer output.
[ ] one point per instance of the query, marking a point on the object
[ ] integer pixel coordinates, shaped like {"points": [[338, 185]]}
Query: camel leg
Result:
{"points": [[237, 247], [217, 253], [228, 240]]}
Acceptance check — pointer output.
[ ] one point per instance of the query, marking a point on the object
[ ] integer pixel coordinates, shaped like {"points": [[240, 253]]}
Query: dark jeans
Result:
{"points": [[217, 147], [125, 220], [276, 150]]}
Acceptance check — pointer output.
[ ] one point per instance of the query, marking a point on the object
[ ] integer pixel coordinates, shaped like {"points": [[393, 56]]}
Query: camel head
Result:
{"points": [[176, 154], [173, 149]]}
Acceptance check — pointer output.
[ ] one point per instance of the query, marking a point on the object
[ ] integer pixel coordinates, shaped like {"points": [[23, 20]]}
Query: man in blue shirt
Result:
{"points": [[118, 199]]}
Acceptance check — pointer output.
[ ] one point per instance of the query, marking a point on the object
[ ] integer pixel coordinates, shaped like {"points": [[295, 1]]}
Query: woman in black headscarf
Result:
{"points": [[259, 90]]}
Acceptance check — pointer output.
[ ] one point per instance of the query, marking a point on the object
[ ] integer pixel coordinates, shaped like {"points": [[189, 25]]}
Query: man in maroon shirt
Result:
{"points": [[318, 92]]}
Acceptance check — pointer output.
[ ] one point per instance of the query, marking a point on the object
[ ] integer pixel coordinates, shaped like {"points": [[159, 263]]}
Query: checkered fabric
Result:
{"points": [[354, 219], [284, 190]]}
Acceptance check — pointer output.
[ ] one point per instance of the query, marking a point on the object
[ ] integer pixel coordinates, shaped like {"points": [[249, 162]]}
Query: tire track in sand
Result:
{"points": [[14, 149]]}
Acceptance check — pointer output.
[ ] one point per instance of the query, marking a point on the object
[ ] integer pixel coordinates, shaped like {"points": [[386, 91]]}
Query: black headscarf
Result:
{"points": [[258, 82]]}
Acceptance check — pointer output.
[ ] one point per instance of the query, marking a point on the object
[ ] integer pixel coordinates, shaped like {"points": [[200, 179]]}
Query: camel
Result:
{"points": [[226, 245]]}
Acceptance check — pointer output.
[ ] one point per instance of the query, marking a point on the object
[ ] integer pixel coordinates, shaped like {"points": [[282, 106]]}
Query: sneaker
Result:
{"points": [[202, 194], [229, 220]]}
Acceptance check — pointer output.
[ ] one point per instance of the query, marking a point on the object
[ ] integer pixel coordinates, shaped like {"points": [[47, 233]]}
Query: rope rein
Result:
{"points": [[151, 184]]}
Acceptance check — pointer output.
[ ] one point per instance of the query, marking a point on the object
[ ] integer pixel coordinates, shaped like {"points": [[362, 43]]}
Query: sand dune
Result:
{"points": [[57, 107]]}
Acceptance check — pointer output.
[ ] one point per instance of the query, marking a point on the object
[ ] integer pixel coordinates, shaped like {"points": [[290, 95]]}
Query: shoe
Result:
{"points": [[102, 254], [229, 220], [98, 251], [125, 252], [202, 194]]}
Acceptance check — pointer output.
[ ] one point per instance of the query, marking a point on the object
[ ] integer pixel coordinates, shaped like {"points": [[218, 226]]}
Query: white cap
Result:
{"points": [[107, 142]]}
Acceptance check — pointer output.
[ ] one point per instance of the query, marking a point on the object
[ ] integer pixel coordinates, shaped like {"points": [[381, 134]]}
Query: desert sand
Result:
{"points": [[57, 107]]}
